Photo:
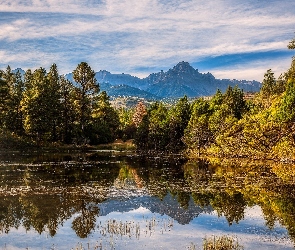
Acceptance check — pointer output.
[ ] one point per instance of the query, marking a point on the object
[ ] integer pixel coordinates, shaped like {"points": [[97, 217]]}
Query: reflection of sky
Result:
{"points": [[250, 232]]}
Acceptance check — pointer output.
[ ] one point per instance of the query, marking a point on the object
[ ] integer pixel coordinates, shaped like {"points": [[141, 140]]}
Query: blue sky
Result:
{"points": [[229, 38]]}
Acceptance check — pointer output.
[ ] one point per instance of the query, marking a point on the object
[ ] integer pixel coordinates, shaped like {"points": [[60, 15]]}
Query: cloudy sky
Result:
{"points": [[230, 38]]}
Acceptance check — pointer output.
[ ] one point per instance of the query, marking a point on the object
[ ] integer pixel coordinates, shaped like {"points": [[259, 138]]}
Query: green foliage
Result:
{"points": [[178, 119], [86, 92], [158, 128], [105, 121], [67, 110], [198, 134], [4, 100], [286, 111], [46, 107], [234, 103], [268, 84], [127, 128]]}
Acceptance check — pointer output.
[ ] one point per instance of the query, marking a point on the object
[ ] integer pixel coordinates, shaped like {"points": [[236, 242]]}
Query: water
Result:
{"points": [[117, 200]]}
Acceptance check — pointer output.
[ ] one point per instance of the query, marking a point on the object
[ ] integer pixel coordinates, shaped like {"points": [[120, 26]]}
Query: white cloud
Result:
{"points": [[253, 70], [131, 33]]}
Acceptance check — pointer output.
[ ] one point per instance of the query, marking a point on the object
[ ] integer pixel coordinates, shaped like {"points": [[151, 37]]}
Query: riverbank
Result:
{"points": [[12, 142]]}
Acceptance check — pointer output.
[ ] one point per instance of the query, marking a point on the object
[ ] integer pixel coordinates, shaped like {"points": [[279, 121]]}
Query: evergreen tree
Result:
{"points": [[234, 102], [87, 89], [141, 139], [40, 104], [35, 122], [104, 122], [68, 115], [178, 119], [158, 135], [197, 133], [268, 86], [54, 96], [16, 115], [4, 100]]}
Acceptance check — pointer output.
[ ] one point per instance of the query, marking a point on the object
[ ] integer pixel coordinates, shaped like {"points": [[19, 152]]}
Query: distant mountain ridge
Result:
{"points": [[181, 80]]}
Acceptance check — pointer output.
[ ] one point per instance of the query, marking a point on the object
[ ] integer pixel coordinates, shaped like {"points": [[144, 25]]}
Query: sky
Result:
{"points": [[234, 39]]}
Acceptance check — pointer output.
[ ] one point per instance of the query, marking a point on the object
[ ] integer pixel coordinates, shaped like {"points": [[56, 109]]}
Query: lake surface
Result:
{"points": [[117, 200]]}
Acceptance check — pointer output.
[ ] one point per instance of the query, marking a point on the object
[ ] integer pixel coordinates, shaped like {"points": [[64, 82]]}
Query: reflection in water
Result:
{"points": [[46, 192]]}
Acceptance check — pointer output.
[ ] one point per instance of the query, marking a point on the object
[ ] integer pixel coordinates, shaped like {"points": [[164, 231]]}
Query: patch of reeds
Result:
{"points": [[223, 242]]}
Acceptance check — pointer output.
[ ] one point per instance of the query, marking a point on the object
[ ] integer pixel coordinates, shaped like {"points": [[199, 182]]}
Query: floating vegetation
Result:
{"points": [[114, 230], [223, 242], [130, 229]]}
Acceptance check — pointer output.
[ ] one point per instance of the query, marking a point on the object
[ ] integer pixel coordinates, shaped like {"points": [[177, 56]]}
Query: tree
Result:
{"points": [[158, 135], [141, 139], [17, 96], [68, 116], [197, 134], [104, 122], [268, 87], [178, 118], [127, 127], [34, 106], [87, 89], [54, 97], [140, 112], [234, 102], [41, 104], [5, 99]]}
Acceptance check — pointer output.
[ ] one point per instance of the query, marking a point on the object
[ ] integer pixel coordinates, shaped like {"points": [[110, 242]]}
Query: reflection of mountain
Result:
{"points": [[169, 206]]}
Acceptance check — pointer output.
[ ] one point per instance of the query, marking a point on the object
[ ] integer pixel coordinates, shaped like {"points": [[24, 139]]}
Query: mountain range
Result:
{"points": [[181, 80]]}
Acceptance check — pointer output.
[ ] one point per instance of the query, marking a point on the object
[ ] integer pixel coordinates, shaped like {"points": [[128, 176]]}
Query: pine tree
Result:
{"points": [[104, 122], [4, 101], [54, 96], [87, 89], [68, 115], [34, 106], [178, 119], [41, 104], [16, 114]]}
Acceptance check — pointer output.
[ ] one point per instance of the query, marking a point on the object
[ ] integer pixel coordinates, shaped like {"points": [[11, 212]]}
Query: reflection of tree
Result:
{"points": [[128, 178], [41, 212], [85, 223], [183, 199], [231, 206], [229, 186], [10, 214]]}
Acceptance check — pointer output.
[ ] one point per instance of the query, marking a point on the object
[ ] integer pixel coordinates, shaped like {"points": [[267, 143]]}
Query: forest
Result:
{"points": [[43, 108]]}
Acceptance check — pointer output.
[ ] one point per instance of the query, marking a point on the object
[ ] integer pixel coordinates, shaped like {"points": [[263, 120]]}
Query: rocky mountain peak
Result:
{"points": [[183, 67]]}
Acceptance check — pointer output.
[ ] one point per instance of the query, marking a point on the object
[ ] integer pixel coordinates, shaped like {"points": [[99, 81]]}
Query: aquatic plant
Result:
{"points": [[223, 242]]}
